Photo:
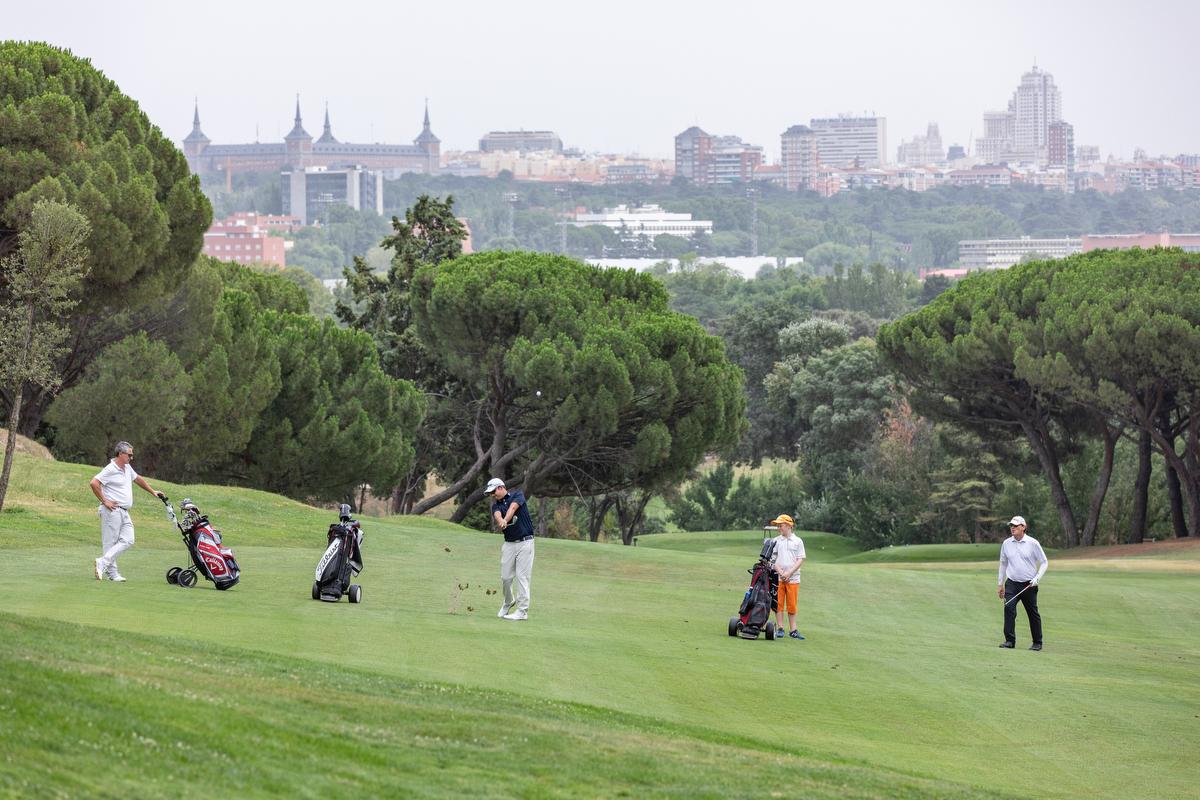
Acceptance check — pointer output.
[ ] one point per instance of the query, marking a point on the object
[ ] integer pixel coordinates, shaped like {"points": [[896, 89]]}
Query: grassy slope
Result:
{"points": [[900, 671], [820, 547]]}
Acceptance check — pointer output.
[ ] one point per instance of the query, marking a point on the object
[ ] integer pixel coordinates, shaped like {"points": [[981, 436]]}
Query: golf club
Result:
{"points": [[1018, 594]]}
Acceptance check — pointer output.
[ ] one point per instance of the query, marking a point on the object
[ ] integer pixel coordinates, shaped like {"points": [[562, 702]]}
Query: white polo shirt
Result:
{"points": [[117, 484], [1022, 561], [789, 550]]}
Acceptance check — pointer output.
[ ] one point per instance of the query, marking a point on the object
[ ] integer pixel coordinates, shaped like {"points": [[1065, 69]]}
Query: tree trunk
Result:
{"points": [[596, 515], [629, 522], [1141, 489], [1101, 487], [451, 490], [1166, 441], [1191, 475], [14, 417], [1186, 477], [1175, 494], [1040, 442]]}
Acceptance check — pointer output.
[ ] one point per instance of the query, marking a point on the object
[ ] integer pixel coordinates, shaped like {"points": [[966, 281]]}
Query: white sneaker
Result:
{"points": [[100, 567], [503, 612], [118, 578], [516, 615]]}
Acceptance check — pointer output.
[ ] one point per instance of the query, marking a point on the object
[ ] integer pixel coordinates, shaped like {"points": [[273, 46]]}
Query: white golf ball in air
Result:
{"points": [[539, 392]]}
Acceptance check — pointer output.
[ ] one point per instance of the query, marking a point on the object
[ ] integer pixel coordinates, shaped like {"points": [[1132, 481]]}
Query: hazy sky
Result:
{"points": [[624, 76]]}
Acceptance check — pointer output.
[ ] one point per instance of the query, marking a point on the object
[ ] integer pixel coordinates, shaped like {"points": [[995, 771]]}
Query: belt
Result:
{"points": [[522, 539]]}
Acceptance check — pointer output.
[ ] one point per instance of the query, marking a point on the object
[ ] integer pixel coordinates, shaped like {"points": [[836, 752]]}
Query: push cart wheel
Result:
{"points": [[770, 631], [173, 574], [734, 624], [355, 593], [186, 578], [316, 590]]}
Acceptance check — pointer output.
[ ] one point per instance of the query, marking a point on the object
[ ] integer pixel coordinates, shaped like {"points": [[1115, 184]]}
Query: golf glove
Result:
{"points": [[1033, 581]]}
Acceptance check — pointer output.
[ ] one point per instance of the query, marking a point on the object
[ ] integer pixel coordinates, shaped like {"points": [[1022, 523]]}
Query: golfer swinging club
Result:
{"points": [[1022, 565], [516, 554]]}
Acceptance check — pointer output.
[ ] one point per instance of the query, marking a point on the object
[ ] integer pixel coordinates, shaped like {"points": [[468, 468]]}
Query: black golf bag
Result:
{"points": [[209, 557], [341, 562], [759, 601]]}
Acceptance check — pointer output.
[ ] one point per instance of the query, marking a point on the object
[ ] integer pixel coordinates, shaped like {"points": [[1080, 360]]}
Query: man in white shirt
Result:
{"points": [[113, 487], [789, 555], [1022, 565]]}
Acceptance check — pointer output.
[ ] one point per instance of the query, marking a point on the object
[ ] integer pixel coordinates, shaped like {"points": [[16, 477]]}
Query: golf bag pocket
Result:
{"points": [[217, 561], [329, 567]]}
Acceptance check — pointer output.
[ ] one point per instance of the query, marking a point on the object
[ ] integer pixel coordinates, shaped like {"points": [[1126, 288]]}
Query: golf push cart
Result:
{"points": [[341, 562], [759, 601], [208, 556]]}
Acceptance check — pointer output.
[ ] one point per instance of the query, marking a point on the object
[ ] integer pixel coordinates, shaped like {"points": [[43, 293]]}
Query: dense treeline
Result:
{"points": [[896, 227], [1063, 389], [902, 229]]}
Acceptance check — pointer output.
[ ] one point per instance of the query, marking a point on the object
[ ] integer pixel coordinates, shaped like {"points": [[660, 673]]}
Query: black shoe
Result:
{"points": [[1009, 645], [1035, 646]]}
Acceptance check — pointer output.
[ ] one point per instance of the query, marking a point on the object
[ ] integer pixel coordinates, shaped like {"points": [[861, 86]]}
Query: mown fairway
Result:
{"points": [[622, 682]]}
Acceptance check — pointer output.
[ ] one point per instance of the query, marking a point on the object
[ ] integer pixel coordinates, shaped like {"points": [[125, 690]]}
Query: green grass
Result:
{"points": [[929, 553], [819, 547], [622, 681]]}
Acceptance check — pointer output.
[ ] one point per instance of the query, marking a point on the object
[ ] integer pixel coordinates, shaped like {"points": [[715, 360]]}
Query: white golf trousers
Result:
{"points": [[516, 564], [116, 535]]}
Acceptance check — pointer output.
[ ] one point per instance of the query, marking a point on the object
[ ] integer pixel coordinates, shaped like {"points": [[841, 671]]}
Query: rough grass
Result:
{"points": [[623, 680]]}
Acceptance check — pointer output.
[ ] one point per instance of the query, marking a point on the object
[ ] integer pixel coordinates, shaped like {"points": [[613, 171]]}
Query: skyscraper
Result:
{"points": [[1022, 132], [1038, 104]]}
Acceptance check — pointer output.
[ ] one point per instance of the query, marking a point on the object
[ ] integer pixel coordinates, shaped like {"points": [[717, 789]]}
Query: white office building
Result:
{"points": [[979, 254], [307, 191], [846, 141], [650, 221]]}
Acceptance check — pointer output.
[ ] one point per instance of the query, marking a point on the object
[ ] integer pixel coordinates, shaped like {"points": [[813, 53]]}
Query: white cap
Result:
{"points": [[493, 485], [1011, 522]]}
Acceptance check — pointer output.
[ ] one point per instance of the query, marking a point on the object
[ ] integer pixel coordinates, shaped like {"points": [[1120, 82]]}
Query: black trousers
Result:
{"points": [[1029, 600]]}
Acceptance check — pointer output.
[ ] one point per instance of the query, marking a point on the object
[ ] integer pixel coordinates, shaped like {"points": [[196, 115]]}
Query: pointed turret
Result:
{"points": [[327, 136], [298, 143], [426, 136], [431, 144], [297, 131], [197, 135]]}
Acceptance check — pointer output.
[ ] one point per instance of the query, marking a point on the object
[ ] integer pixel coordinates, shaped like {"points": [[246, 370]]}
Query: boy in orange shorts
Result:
{"points": [[789, 555]]}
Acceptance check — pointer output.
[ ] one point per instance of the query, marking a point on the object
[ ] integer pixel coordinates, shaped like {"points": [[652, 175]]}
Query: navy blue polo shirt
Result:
{"points": [[521, 525]]}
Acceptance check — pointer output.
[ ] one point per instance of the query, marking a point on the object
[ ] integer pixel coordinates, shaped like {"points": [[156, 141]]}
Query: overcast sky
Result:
{"points": [[623, 76]]}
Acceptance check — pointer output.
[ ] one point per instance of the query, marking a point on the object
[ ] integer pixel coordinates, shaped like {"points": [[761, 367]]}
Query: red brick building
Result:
{"points": [[246, 238]]}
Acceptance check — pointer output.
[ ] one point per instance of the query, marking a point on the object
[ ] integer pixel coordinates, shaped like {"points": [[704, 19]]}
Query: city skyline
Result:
{"points": [[610, 85]]}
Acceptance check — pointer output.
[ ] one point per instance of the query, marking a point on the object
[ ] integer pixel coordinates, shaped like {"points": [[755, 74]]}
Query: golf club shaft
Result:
{"points": [[1018, 594]]}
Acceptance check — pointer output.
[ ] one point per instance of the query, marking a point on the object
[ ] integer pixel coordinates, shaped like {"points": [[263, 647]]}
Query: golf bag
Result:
{"points": [[759, 601], [341, 562], [209, 557]]}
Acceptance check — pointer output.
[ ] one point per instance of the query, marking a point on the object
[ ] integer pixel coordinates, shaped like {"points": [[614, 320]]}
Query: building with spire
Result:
{"points": [[429, 144], [298, 150]]}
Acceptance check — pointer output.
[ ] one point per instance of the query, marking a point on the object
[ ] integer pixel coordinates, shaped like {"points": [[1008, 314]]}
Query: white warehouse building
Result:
{"points": [[648, 220]]}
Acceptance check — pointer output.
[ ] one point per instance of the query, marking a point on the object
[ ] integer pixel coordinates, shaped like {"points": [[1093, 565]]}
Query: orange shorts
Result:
{"points": [[789, 593]]}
